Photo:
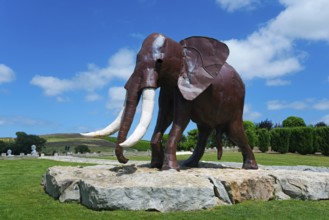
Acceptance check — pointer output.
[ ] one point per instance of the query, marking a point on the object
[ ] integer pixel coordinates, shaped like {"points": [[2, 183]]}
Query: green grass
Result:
{"points": [[23, 197], [274, 159], [262, 158]]}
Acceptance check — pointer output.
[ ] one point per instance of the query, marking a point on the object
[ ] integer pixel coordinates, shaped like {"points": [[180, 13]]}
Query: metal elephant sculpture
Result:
{"points": [[195, 84]]}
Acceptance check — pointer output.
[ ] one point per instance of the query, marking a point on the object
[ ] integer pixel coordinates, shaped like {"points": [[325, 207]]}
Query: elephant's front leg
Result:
{"points": [[182, 115], [165, 118]]}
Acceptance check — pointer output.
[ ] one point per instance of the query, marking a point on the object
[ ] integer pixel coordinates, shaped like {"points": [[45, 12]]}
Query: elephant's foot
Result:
{"points": [[250, 165], [157, 159], [156, 164], [191, 162], [170, 162]]}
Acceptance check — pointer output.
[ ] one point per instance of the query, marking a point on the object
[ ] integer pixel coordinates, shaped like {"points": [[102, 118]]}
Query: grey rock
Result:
{"points": [[305, 185], [138, 187], [71, 193]]}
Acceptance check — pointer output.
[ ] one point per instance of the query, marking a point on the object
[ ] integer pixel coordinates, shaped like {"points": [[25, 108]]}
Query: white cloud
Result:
{"points": [[62, 99], [138, 36], [120, 66], [299, 105], [269, 52], [6, 74], [322, 105], [232, 6], [263, 54], [52, 86], [278, 105], [303, 19], [277, 82], [92, 97], [116, 98], [249, 114], [20, 120], [325, 119]]}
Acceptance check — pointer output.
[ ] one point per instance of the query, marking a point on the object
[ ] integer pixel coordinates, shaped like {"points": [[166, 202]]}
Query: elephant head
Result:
{"points": [[191, 65]]}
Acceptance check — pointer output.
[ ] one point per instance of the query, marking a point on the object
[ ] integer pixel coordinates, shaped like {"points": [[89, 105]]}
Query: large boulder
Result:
{"points": [[137, 187]]}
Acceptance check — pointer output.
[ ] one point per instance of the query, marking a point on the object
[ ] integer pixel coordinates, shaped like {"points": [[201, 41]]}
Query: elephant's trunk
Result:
{"points": [[145, 120], [131, 103]]}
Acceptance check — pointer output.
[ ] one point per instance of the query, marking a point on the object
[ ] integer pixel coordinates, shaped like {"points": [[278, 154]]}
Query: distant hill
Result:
{"points": [[57, 142]]}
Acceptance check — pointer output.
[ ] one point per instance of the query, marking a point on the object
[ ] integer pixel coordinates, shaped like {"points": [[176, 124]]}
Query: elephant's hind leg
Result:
{"points": [[237, 135], [193, 160]]}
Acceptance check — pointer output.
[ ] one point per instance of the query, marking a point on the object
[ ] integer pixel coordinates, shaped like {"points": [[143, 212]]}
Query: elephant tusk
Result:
{"points": [[145, 120], [110, 129]]}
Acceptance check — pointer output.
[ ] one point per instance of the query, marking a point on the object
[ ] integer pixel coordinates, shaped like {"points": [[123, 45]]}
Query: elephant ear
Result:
{"points": [[204, 57]]}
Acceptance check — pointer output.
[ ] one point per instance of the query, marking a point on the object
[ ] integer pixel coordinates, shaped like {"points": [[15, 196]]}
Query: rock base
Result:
{"points": [[137, 187]]}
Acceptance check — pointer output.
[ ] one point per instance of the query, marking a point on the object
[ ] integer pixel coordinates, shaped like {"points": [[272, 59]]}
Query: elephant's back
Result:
{"points": [[228, 86], [222, 101]]}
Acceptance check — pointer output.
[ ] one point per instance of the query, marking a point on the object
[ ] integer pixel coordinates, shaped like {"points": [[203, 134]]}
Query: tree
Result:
{"points": [[226, 142], [165, 138], [265, 124], [193, 135], [181, 144], [23, 143], [320, 124], [3, 146], [293, 121], [82, 149], [189, 142], [187, 145]]}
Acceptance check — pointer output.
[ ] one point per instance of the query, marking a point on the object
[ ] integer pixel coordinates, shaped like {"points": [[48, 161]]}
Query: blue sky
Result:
{"points": [[63, 64]]}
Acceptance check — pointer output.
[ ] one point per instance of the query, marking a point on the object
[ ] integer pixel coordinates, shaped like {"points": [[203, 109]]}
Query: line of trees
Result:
{"points": [[291, 136], [22, 143]]}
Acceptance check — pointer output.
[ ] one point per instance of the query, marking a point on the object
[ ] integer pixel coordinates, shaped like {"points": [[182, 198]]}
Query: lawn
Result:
{"points": [[22, 196], [262, 158]]}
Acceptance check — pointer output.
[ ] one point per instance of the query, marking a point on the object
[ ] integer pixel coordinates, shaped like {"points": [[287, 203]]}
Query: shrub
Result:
{"points": [[226, 142], [263, 139], [82, 149], [187, 145], [180, 145], [293, 121], [183, 143], [280, 140], [250, 129], [252, 137], [248, 125], [293, 140], [321, 140], [189, 142], [301, 140]]}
